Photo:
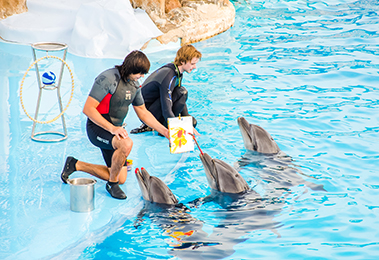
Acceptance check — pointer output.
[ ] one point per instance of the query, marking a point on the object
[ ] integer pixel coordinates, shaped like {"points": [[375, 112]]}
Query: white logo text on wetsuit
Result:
{"points": [[102, 140], [128, 95]]}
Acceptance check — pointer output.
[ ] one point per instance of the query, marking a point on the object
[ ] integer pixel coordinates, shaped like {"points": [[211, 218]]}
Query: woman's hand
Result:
{"points": [[195, 132]]}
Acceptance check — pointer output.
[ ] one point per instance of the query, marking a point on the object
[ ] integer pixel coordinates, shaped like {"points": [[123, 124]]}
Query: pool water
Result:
{"points": [[306, 71]]}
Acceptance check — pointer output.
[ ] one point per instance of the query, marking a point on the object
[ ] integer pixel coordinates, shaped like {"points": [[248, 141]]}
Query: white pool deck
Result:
{"points": [[37, 220]]}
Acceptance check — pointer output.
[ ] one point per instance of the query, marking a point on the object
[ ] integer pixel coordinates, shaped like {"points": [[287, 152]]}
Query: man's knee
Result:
{"points": [[127, 143], [124, 145]]}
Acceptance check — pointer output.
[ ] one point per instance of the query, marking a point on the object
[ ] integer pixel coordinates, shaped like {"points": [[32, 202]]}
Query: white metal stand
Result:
{"points": [[49, 47]]}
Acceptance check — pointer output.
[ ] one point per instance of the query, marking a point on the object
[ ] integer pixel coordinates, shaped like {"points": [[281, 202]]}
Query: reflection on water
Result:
{"points": [[239, 215], [182, 235], [278, 171]]}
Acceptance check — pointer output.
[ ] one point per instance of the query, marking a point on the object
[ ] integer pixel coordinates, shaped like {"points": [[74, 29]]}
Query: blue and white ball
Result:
{"points": [[48, 78]]}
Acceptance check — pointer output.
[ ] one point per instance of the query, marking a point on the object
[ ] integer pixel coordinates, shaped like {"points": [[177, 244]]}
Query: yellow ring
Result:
{"points": [[72, 90]]}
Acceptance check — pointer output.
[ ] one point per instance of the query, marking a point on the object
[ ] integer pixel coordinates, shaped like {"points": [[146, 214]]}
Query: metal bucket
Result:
{"points": [[82, 194]]}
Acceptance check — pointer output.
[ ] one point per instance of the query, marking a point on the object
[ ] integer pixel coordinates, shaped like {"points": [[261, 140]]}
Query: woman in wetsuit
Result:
{"points": [[164, 95]]}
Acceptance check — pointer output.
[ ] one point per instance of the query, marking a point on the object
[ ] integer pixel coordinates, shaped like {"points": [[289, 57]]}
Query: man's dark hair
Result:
{"points": [[134, 63]]}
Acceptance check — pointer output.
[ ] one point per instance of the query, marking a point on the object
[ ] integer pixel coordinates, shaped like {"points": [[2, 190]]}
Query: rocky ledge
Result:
{"points": [[188, 20], [11, 7]]}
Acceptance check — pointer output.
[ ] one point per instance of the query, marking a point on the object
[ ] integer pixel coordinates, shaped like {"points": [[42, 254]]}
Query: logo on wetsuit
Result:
{"points": [[128, 95], [102, 140]]}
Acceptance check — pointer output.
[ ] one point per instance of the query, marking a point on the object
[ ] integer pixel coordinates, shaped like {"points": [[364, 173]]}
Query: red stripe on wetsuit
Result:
{"points": [[104, 105]]}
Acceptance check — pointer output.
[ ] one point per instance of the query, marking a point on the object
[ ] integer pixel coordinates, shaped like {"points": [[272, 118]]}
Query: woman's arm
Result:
{"points": [[91, 112], [150, 120]]}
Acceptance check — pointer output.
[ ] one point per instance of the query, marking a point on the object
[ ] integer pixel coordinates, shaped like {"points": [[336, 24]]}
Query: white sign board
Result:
{"points": [[180, 132]]}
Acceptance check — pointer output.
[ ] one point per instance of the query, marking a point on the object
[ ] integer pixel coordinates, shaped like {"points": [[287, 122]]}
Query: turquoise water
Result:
{"points": [[305, 71]]}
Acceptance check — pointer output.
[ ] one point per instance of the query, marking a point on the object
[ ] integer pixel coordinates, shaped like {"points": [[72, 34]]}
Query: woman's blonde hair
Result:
{"points": [[186, 53]]}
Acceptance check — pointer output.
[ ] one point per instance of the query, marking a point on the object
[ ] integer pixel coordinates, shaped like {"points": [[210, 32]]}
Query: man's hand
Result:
{"points": [[119, 132], [166, 134]]}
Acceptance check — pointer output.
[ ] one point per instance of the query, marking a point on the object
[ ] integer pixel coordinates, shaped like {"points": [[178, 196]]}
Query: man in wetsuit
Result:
{"points": [[106, 108], [164, 95]]}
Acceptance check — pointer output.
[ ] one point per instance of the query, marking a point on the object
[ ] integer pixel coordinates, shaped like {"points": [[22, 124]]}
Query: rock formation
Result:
{"points": [[189, 20], [11, 7]]}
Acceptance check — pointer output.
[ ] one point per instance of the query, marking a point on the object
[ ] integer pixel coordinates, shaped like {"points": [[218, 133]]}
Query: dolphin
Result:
{"points": [[223, 177], [154, 189], [273, 165], [173, 217], [255, 138], [243, 209]]}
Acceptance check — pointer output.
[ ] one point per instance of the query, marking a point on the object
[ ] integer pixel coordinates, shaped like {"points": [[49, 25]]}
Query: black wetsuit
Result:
{"points": [[115, 95], [163, 94]]}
